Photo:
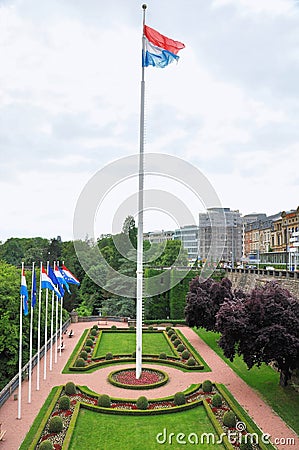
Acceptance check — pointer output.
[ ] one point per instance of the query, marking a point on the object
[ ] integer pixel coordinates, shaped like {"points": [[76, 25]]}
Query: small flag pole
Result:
{"points": [[30, 338], [139, 293], [46, 328], [38, 328], [20, 350]]}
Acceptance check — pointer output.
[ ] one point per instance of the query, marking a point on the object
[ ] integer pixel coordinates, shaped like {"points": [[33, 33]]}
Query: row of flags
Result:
{"points": [[57, 280]]}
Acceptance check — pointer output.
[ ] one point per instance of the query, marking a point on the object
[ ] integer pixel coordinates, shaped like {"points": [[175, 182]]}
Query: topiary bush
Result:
{"points": [[246, 443], [185, 354], [162, 356], [70, 388], [109, 355], [83, 355], [104, 401], [167, 329], [64, 402], [46, 445], [55, 424], [134, 354], [170, 332], [87, 349], [95, 327], [131, 327], [181, 348], [191, 362], [229, 419], [92, 338], [177, 342], [207, 386], [179, 398], [173, 337], [217, 400], [142, 402], [113, 327], [93, 332], [80, 362], [88, 343]]}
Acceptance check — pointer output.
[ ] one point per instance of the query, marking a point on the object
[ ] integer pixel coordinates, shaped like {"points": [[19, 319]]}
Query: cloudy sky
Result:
{"points": [[70, 93]]}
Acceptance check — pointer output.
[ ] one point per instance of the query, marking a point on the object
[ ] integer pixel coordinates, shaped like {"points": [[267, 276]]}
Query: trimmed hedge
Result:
{"points": [[142, 403], [207, 386], [45, 445], [104, 401], [70, 388], [55, 424], [179, 398], [64, 402]]}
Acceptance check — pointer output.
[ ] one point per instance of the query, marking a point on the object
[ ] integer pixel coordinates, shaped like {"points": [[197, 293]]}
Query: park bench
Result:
{"points": [[71, 334], [2, 434]]}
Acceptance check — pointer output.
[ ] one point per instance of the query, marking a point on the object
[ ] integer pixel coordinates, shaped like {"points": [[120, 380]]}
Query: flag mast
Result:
{"points": [[139, 293]]}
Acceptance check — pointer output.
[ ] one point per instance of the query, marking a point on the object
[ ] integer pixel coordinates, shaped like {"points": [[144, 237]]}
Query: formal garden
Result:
{"points": [[204, 414]]}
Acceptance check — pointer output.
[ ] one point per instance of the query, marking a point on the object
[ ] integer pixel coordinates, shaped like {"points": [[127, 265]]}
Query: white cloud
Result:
{"points": [[271, 7]]}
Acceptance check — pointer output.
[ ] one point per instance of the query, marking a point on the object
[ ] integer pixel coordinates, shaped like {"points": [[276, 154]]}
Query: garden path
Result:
{"points": [[261, 413]]}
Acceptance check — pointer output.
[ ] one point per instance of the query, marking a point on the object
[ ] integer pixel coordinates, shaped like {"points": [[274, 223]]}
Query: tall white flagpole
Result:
{"points": [[20, 351], [38, 328], [51, 335], [46, 329], [30, 338], [139, 293], [56, 330]]}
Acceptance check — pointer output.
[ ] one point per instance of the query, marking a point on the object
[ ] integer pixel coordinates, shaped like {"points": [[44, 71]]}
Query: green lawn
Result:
{"points": [[119, 343], [111, 432], [265, 380]]}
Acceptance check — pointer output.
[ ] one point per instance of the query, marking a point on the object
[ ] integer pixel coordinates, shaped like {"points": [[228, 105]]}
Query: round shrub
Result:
{"points": [[177, 342], [93, 332], [109, 355], [167, 329], [46, 445], [229, 419], [95, 327], [162, 356], [80, 362], [191, 362], [217, 400], [55, 424], [179, 398], [207, 386], [104, 401], [70, 388], [150, 328], [181, 348], [83, 355], [133, 354], [173, 337], [88, 343], [64, 402], [113, 327], [246, 443], [92, 338], [170, 332], [185, 354], [142, 402], [87, 349], [131, 327]]}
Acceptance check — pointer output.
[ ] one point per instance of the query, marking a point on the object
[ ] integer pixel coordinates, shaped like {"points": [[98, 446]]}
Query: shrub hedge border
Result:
{"points": [[140, 386], [126, 358]]}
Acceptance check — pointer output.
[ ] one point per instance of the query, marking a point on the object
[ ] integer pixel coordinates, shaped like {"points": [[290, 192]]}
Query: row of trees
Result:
{"points": [[261, 326]]}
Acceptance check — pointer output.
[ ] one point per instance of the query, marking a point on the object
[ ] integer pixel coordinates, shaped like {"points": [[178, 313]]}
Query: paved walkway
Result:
{"points": [[261, 413]]}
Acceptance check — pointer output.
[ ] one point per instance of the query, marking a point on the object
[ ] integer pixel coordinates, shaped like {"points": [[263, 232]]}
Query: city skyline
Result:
{"points": [[69, 105]]}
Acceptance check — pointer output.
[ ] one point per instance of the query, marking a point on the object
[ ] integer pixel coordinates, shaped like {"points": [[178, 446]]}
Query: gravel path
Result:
{"points": [[261, 413]]}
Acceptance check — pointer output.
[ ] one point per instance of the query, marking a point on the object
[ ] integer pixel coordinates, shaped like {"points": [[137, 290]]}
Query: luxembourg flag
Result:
{"points": [[24, 292], [159, 50], [68, 276], [47, 283]]}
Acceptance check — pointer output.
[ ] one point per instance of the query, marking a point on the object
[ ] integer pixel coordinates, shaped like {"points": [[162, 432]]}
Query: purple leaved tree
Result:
{"points": [[262, 326]]}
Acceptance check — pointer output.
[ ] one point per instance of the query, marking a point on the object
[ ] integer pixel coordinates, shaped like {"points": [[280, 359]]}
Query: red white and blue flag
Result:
{"points": [[61, 279], [159, 50], [24, 292], [47, 283], [68, 276]]}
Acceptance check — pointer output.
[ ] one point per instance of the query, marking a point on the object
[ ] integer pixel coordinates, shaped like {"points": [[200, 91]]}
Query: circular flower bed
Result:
{"points": [[149, 379]]}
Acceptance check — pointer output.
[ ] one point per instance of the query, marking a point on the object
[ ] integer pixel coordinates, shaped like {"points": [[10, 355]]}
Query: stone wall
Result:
{"points": [[249, 279]]}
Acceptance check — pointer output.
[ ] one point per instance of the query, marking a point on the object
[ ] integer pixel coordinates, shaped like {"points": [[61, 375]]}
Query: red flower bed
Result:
{"points": [[128, 377]]}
